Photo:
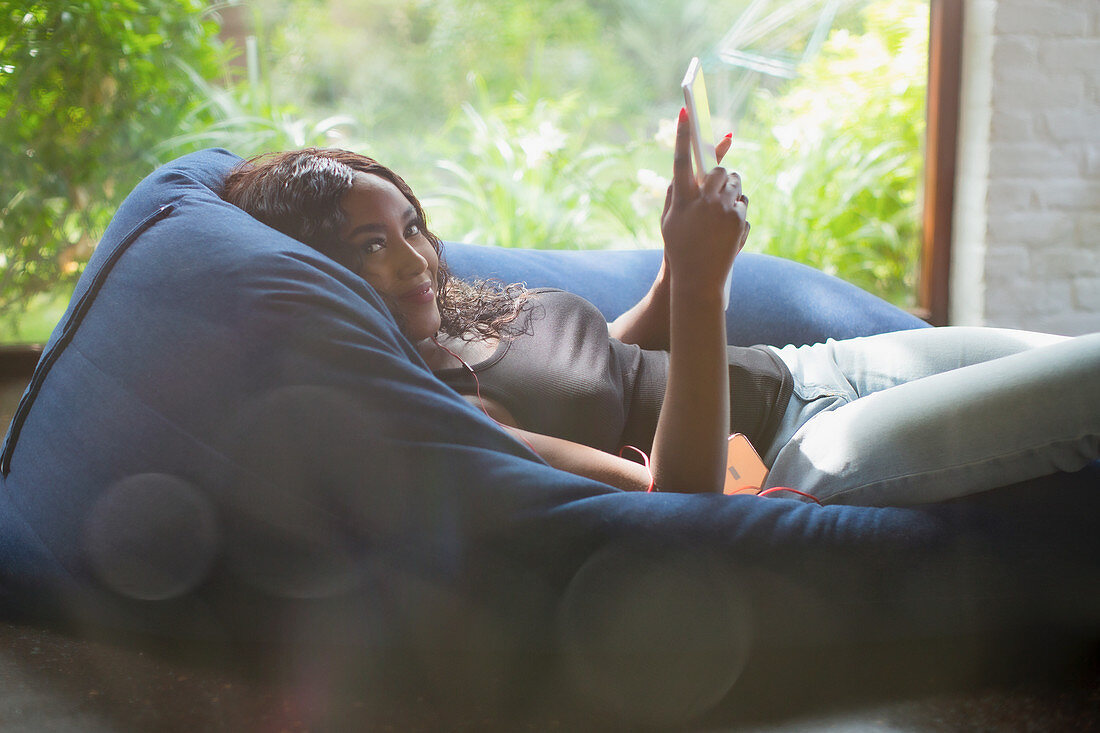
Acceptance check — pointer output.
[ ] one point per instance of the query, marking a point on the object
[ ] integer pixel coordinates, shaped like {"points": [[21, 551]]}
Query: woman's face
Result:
{"points": [[397, 259]]}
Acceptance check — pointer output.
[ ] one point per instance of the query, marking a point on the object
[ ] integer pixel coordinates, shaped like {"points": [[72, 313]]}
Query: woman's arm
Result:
{"points": [[704, 229], [646, 324], [586, 461], [569, 456]]}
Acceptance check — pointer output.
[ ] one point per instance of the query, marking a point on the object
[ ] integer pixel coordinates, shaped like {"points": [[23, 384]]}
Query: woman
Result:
{"points": [[891, 419]]}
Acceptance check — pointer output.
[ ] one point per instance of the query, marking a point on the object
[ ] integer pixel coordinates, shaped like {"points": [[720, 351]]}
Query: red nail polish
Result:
{"points": [[683, 114], [729, 135]]}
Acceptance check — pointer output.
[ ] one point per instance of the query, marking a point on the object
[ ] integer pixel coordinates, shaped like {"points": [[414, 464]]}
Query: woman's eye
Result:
{"points": [[414, 229], [369, 248]]}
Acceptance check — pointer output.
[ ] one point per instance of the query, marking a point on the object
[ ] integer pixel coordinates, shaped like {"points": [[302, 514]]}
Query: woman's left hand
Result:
{"points": [[723, 147], [720, 151]]}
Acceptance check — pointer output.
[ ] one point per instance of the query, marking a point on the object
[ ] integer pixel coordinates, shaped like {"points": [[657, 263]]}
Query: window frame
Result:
{"points": [[945, 40]]}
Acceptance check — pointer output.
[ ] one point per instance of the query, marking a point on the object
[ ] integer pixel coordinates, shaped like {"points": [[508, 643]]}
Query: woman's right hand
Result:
{"points": [[647, 322], [704, 227]]}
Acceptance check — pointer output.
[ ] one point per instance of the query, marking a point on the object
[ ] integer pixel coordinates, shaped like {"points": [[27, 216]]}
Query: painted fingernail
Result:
{"points": [[729, 135], [683, 114]]}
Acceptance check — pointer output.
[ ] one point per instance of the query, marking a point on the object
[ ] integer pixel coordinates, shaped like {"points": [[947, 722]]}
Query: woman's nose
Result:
{"points": [[409, 261]]}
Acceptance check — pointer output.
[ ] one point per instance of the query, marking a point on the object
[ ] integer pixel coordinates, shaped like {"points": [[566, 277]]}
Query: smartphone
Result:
{"points": [[698, 110], [745, 472]]}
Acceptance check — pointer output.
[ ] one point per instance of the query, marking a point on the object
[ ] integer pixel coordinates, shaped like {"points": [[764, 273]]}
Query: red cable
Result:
{"points": [[645, 462], [793, 491], [477, 387]]}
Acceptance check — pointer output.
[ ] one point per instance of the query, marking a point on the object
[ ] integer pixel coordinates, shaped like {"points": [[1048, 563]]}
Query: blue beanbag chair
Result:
{"points": [[227, 441]]}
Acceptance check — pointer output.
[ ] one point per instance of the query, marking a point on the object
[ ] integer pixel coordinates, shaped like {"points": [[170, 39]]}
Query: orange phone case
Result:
{"points": [[745, 472]]}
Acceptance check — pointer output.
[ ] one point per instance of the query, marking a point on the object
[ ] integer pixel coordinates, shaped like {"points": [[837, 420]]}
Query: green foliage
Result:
{"points": [[832, 162], [835, 158], [87, 89], [545, 123], [653, 42], [244, 119], [392, 61], [530, 174], [400, 65]]}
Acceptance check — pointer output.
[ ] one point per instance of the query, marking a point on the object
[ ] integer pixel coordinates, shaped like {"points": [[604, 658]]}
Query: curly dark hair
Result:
{"points": [[298, 192]]}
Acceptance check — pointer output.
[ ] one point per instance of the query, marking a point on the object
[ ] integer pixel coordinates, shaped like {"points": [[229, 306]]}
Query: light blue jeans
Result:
{"points": [[930, 414]]}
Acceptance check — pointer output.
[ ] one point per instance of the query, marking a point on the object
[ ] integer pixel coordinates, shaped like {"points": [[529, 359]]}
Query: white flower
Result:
{"points": [[785, 135], [545, 140], [650, 194], [666, 134], [652, 182]]}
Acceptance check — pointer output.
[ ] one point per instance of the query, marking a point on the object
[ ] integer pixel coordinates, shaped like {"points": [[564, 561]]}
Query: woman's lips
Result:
{"points": [[419, 295]]}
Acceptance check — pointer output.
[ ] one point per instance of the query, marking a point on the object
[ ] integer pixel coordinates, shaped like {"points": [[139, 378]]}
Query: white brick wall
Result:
{"points": [[1026, 250]]}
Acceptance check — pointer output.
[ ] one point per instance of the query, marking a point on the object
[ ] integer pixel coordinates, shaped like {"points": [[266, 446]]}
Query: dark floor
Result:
{"points": [[50, 681]]}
